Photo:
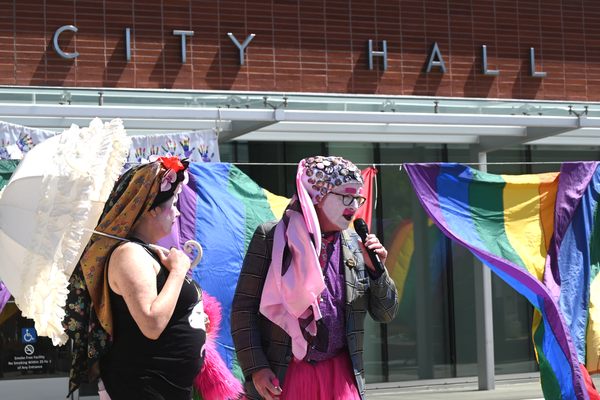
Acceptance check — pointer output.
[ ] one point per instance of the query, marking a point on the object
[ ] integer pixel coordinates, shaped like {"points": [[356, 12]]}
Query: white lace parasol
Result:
{"points": [[47, 211]]}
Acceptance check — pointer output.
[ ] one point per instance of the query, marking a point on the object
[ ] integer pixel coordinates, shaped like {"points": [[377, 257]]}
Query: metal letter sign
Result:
{"points": [[377, 54], [435, 53], [241, 47], [183, 34], [484, 64], [127, 44], [55, 41], [532, 65], [434, 59]]}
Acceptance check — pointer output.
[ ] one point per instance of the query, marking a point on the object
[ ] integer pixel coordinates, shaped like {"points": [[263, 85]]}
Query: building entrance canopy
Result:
{"points": [[492, 124]]}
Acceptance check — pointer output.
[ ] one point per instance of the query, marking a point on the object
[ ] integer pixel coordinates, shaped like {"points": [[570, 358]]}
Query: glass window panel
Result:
{"points": [[358, 153], [24, 354], [418, 340], [464, 311], [554, 155], [373, 352], [513, 319], [227, 151]]}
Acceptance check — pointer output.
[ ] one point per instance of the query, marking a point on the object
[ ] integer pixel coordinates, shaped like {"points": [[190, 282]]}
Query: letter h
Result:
{"points": [[377, 54]]}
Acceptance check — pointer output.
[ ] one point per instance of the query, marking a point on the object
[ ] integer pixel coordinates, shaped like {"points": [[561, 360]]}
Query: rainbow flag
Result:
{"points": [[221, 208], [540, 234]]}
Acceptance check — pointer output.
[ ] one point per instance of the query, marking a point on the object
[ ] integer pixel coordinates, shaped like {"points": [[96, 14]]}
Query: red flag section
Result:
{"points": [[366, 211]]}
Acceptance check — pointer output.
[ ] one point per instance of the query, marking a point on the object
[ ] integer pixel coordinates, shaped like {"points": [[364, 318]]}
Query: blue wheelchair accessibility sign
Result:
{"points": [[28, 335]]}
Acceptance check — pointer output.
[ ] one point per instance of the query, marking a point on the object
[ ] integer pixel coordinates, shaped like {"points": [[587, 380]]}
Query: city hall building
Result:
{"points": [[511, 86]]}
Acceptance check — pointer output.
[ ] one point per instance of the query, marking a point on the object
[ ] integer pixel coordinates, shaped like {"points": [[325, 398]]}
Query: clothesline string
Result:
{"points": [[401, 164], [380, 164]]}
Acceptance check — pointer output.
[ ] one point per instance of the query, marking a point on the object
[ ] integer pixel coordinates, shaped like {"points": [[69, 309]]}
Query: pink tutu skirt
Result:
{"points": [[328, 380]]}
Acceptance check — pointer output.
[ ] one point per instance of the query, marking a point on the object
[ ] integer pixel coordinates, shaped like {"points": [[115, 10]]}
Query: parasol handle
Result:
{"points": [[188, 247], [150, 246]]}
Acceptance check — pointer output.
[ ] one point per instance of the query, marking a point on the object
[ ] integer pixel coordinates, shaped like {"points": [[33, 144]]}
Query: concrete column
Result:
{"points": [[483, 306], [423, 291]]}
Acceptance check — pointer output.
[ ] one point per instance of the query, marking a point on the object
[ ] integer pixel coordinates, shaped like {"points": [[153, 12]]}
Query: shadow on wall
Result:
{"points": [[225, 68], [527, 87], [52, 69], [116, 64], [166, 69], [363, 80], [477, 84], [427, 83]]}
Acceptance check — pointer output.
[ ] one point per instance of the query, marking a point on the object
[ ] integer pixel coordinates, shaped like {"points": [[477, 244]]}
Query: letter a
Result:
{"points": [[435, 53]]}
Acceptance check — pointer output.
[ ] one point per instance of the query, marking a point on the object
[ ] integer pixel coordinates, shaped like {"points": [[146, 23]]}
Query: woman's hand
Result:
{"points": [[176, 261], [374, 244]]}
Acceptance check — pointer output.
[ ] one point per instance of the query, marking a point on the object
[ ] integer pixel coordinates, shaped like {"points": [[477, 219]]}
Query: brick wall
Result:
{"points": [[309, 46]]}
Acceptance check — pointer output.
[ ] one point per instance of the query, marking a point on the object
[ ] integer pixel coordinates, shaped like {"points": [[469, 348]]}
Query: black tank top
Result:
{"points": [[138, 367]]}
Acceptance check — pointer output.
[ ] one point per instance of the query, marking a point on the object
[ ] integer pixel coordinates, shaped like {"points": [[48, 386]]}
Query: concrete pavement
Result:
{"points": [[525, 389], [514, 389]]}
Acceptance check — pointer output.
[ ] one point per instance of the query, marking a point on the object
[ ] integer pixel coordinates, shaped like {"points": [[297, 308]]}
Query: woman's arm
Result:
{"points": [[132, 274]]}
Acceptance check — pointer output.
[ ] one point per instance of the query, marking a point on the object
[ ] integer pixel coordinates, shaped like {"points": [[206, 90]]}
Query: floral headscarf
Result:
{"points": [[88, 319]]}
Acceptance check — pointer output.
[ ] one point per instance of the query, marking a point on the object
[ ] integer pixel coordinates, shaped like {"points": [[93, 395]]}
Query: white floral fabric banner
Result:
{"points": [[17, 140], [199, 146]]}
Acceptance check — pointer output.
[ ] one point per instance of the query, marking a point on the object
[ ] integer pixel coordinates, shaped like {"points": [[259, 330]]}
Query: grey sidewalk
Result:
{"points": [[514, 389]]}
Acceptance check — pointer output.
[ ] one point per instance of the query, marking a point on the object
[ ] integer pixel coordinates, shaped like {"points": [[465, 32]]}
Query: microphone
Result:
{"points": [[360, 226]]}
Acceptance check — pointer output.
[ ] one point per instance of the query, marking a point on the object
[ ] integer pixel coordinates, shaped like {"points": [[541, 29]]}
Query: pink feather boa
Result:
{"points": [[215, 381]]}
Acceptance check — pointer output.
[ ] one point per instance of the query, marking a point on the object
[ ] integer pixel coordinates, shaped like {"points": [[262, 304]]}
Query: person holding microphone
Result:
{"points": [[297, 318]]}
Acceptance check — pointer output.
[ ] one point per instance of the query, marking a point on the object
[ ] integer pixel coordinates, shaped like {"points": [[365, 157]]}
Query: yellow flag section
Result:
{"points": [[528, 217]]}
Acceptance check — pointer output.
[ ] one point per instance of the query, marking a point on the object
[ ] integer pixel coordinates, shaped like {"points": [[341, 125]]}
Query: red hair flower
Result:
{"points": [[172, 163]]}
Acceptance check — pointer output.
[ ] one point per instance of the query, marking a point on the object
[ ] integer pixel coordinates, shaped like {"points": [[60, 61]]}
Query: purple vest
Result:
{"points": [[332, 300]]}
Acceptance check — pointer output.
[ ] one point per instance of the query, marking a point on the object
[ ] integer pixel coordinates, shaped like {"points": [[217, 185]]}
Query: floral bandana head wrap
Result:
{"points": [[320, 175], [88, 319]]}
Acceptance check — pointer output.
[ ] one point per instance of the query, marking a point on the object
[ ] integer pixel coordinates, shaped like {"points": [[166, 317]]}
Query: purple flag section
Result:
{"points": [[4, 296], [574, 181], [184, 227]]}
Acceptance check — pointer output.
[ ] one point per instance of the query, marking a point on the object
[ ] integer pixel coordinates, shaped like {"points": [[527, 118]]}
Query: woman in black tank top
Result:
{"points": [[159, 329], [135, 317]]}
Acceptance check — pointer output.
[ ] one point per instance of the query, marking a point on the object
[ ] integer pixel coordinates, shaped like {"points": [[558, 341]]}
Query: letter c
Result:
{"points": [[55, 41]]}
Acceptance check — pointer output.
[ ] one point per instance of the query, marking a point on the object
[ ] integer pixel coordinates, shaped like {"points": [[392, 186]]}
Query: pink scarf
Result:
{"points": [[287, 297]]}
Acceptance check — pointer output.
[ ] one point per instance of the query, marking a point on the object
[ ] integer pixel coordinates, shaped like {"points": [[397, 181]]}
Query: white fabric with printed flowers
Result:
{"points": [[198, 146], [17, 140]]}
